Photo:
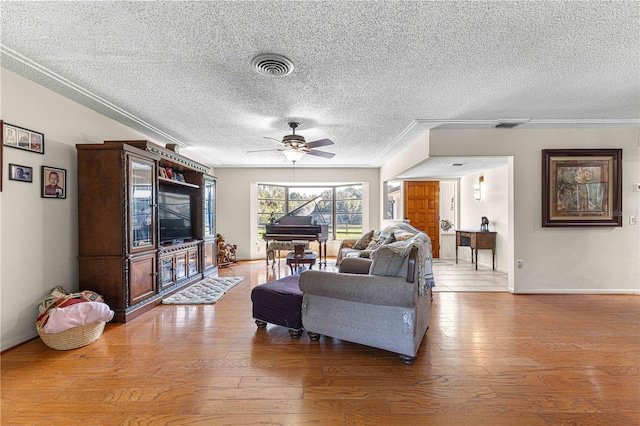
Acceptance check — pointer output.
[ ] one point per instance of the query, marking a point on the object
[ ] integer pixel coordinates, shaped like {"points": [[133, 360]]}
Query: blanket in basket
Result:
{"points": [[60, 311]]}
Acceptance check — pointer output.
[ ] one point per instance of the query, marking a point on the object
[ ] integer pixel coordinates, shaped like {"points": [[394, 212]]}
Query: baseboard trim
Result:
{"points": [[604, 291], [17, 341]]}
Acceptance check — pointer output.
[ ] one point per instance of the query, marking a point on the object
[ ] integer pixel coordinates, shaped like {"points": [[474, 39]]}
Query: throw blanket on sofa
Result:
{"points": [[422, 242]]}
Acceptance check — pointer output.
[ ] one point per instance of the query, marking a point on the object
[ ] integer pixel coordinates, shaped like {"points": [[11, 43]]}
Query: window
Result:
{"points": [[272, 201], [340, 206], [348, 207]]}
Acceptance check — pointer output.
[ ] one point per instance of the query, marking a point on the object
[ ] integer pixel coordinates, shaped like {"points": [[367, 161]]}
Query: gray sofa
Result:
{"points": [[383, 302]]}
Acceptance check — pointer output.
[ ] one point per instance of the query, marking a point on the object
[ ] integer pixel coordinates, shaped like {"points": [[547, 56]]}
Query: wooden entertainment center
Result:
{"points": [[146, 218]]}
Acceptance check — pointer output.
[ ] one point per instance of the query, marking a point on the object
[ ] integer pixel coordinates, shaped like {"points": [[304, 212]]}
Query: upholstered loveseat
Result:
{"points": [[356, 247], [383, 301], [369, 242]]}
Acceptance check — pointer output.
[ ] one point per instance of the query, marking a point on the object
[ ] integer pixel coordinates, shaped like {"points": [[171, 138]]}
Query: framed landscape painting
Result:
{"points": [[581, 187]]}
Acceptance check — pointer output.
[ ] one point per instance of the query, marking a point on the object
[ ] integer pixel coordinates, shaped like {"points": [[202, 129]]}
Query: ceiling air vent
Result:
{"points": [[272, 65], [509, 124]]}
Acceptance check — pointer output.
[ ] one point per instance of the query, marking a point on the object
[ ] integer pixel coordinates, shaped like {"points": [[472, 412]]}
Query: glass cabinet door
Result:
{"points": [[181, 266], [142, 203], [193, 262], [210, 208], [166, 265]]}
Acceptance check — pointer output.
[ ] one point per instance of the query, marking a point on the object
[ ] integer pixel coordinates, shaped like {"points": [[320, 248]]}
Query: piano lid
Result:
{"points": [[304, 210]]}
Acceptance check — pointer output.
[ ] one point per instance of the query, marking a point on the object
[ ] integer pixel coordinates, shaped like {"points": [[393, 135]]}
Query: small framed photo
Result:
{"points": [[581, 187], [54, 182], [21, 138], [20, 173], [162, 172]]}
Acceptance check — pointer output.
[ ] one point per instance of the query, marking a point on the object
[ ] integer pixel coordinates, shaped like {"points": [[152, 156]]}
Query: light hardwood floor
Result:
{"points": [[488, 358]]}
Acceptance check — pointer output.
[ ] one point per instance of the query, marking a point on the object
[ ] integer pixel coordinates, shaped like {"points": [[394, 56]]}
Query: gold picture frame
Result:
{"points": [[581, 187]]}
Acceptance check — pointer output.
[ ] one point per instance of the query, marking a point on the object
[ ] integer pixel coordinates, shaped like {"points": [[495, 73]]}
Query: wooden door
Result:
{"points": [[422, 208]]}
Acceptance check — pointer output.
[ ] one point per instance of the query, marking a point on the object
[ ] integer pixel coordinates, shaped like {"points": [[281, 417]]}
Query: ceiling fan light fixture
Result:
{"points": [[293, 155], [272, 65]]}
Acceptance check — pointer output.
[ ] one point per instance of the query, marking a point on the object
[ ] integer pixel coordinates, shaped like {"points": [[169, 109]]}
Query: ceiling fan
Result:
{"points": [[295, 147]]}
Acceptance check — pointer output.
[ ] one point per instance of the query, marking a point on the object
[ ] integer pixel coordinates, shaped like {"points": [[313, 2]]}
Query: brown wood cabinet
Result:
{"points": [[179, 262], [142, 277], [477, 240], [123, 253]]}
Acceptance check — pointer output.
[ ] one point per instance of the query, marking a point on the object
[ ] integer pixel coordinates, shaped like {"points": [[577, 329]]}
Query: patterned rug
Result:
{"points": [[208, 290]]}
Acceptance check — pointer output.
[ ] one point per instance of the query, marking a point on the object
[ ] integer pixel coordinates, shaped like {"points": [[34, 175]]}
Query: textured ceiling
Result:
{"points": [[368, 75]]}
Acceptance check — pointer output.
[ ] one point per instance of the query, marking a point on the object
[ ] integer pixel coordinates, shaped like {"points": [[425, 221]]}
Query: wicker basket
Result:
{"points": [[72, 338]]}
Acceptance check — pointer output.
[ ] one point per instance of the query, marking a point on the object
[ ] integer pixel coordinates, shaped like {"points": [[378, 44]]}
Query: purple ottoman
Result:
{"points": [[279, 302]]}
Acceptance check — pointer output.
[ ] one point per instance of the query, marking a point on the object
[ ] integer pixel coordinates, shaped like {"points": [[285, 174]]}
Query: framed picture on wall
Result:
{"points": [[54, 182], [581, 187], [21, 138], [20, 173]]}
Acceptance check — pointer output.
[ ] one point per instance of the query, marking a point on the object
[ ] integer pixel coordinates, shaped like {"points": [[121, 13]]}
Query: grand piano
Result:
{"points": [[298, 225]]}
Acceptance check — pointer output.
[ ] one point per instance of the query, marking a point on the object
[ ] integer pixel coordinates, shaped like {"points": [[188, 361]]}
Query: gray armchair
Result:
{"points": [[384, 302]]}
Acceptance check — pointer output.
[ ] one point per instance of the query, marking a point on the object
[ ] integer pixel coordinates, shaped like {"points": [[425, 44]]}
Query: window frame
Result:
{"points": [[334, 189]]}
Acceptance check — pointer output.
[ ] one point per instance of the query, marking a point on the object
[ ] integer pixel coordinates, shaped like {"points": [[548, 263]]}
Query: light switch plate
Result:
{"points": [[636, 187], [633, 220]]}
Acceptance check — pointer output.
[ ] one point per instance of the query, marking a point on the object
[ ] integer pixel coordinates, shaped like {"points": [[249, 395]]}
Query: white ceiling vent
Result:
{"points": [[272, 65], [510, 124]]}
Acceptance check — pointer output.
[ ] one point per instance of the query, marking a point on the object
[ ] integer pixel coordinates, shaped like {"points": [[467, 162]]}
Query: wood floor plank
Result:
{"points": [[289, 406], [533, 404], [448, 420], [237, 419], [488, 358]]}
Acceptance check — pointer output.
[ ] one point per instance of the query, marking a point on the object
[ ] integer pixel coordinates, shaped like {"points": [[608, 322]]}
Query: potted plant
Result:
{"points": [[446, 225]]}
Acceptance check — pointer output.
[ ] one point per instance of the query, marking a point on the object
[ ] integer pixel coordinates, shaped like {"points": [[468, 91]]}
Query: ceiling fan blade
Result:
{"points": [[274, 139], [265, 150], [318, 143], [323, 154]]}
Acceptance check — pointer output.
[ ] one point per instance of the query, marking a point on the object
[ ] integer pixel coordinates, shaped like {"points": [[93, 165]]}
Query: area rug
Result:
{"points": [[208, 290]]}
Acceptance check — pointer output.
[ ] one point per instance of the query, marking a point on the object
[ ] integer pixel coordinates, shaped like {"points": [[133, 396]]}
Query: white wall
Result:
{"points": [[237, 217], [559, 260], [448, 210], [39, 239], [494, 204]]}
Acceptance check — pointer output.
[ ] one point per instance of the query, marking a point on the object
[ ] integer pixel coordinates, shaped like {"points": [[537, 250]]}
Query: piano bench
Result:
{"points": [[276, 246], [279, 302]]}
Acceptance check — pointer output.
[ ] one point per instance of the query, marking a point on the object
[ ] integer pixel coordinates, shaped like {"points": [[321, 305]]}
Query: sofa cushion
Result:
{"points": [[402, 235], [363, 241], [388, 262], [355, 265], [380, 241]]}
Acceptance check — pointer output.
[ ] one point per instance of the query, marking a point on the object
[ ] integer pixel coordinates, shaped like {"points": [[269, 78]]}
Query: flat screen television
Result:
{"points": [[174, 217]]}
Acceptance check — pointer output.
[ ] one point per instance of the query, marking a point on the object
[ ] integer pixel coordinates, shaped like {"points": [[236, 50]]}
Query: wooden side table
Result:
{"points": [[309, 258], [477, 240]]}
